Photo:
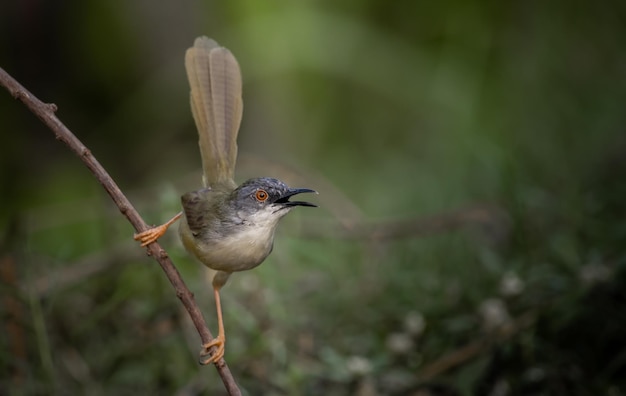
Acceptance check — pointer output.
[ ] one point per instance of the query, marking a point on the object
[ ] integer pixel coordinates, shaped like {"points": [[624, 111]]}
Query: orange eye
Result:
{"points": [[261, 195]]}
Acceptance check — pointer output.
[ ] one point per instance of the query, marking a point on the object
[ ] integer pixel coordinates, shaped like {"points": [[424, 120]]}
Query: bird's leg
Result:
{"points": [[148, 236], [219, 341]]}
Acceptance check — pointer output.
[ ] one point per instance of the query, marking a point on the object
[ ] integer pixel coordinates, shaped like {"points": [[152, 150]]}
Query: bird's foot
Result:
{"points": [[207, 357], [148, 236]]}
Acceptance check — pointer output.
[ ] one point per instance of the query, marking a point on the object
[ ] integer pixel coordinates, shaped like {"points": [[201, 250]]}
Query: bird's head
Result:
{"points": [[265, 199]]}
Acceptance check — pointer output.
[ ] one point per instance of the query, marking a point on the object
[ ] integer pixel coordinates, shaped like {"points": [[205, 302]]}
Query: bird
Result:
{"points": [[227, 227]]}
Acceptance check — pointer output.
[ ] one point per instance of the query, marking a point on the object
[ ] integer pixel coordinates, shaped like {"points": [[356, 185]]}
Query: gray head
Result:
{"points": [[266, 199]]}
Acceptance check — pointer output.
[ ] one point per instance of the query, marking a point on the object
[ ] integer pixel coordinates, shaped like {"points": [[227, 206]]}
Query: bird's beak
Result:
{"points": [[284, 199]]}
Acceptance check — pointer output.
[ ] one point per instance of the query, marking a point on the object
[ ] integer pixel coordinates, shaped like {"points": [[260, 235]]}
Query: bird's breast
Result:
{"points": [[242, 248]]}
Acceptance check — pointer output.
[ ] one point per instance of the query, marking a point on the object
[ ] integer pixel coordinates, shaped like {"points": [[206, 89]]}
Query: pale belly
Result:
{"points": [[239, 252]]}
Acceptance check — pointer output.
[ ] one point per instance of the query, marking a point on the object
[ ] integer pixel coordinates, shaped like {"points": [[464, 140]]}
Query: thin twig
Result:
{"points": [[45, 112]]}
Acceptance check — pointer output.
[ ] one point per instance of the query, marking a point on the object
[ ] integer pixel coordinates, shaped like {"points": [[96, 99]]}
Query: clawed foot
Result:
{"points": [[205, 354], [148, 236], [151, 235]]}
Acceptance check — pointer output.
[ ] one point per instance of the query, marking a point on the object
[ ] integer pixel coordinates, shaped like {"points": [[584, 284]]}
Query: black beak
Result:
{"points": [[284, 199]]}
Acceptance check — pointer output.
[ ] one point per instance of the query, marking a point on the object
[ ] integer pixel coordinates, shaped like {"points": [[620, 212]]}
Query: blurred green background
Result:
{"points": [[470, 159]]}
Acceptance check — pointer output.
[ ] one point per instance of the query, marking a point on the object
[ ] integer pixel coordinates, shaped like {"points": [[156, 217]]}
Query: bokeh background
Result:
{"points": [[470, 159]]}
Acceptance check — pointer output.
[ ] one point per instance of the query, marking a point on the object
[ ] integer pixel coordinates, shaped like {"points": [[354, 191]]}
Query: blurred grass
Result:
{"points": [[393, 112]]}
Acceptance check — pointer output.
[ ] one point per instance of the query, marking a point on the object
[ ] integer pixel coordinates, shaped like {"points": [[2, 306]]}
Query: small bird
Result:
{"points": [[229, 228]]}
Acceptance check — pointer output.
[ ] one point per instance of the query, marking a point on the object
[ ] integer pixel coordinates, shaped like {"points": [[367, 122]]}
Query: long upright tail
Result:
{"points": [[217, 106]]}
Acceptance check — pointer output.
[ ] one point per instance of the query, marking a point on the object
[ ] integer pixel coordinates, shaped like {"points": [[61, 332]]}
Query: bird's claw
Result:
{"points": [[207, 357], [148, 236]]}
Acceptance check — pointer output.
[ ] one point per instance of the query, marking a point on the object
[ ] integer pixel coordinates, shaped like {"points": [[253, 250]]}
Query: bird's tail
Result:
{"points": [[217, 106]]}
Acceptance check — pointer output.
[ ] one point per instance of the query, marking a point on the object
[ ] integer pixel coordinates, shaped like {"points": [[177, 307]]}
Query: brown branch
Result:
{"points": [[45, 112]]}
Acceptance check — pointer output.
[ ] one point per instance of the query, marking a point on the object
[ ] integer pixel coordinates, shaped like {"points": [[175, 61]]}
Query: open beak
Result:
{"points": [[284, 199]]}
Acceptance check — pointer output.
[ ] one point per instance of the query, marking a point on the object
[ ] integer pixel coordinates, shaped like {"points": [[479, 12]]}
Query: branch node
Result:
{"points": [[52, 107], [181, 293], [163, 254], [85, 152], [20, 94]]}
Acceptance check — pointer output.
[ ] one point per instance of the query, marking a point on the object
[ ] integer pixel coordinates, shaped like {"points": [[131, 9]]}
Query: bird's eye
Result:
{"points": [[261, 195]]}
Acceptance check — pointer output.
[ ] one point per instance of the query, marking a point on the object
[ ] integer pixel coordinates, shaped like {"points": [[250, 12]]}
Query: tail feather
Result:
{"points": [[217, 106]]}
